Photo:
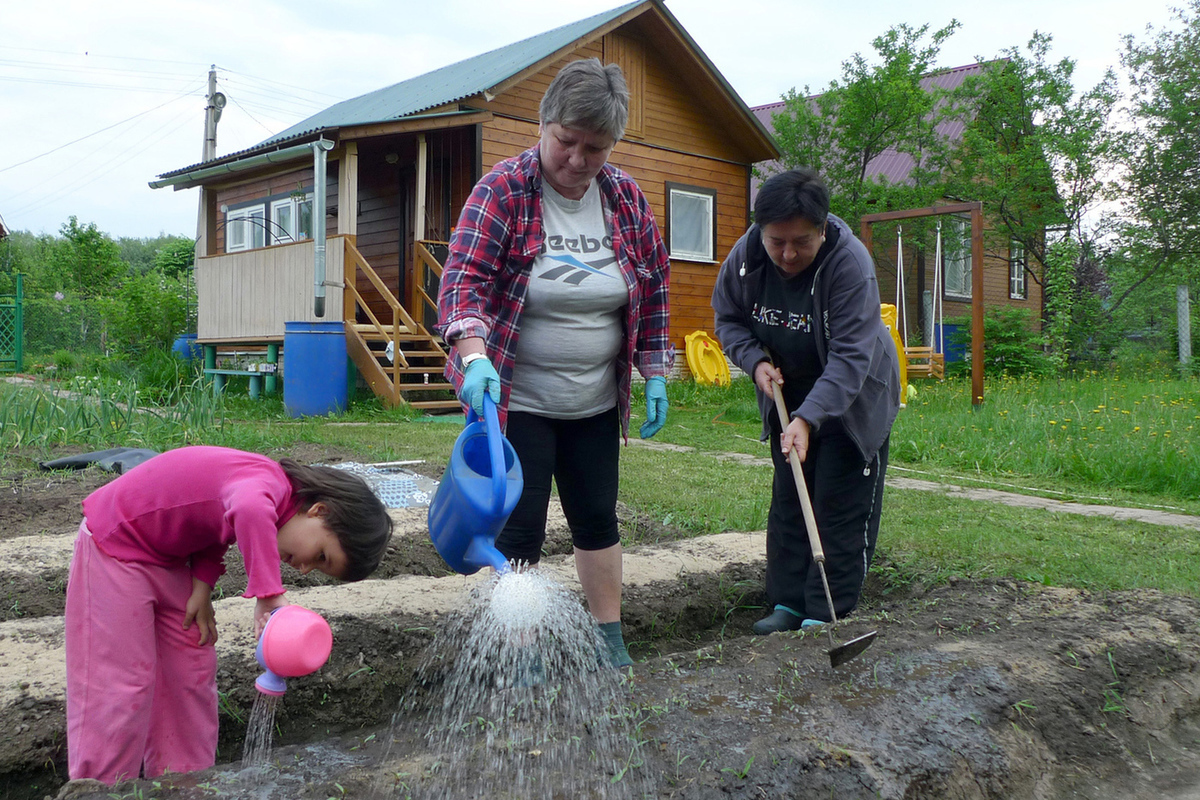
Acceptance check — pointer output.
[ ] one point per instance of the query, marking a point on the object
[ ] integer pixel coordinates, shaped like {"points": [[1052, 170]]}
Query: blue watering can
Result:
{"points": [[478, 492]]}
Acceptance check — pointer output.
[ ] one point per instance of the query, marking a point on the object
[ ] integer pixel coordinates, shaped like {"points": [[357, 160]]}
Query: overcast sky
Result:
{"points": [[96, 99]]}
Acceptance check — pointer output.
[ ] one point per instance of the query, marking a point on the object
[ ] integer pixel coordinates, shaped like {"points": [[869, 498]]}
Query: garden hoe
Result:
{"points": [[838, 653]]}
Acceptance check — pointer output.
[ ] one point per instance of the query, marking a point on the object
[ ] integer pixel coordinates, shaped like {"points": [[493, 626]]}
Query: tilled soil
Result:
{"points": [[972, 689]]}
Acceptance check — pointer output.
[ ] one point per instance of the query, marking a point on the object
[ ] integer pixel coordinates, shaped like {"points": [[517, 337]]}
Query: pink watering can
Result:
{"points": [[294, 642], [478, 492]]}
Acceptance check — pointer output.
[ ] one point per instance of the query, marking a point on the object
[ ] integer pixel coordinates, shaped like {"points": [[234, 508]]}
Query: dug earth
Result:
{"points": [[972, 689]]}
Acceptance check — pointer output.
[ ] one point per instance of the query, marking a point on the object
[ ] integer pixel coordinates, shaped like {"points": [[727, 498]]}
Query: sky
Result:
{"points": [[97, 99]]}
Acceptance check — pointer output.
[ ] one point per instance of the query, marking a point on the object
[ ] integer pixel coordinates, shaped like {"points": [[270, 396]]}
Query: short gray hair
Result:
{"points": [[589, 96]]}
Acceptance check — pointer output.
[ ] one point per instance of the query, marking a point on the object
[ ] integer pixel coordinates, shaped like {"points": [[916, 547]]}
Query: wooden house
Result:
{"points": [[388, 173], [1005, 267]]}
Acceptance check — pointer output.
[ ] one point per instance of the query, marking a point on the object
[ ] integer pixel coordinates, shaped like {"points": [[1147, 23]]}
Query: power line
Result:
{"points": [[88, 54], [79, 84], [281, 83], [64, 67], [109, 165], [95, 133], [251, 116]]}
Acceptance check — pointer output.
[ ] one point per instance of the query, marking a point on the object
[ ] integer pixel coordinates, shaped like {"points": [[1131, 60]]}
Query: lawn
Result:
{"points": [[1092, 439]]}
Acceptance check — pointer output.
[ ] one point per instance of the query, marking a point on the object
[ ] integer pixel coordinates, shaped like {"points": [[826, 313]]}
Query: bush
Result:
{"points": [[1011, 347], [149, 311]]}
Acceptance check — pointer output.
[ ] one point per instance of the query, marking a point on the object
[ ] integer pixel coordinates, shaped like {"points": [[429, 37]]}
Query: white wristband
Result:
{"points": [[469, 357]]}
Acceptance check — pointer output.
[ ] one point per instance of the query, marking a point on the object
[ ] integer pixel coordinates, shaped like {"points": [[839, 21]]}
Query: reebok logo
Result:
{"points": [[573, 271], [564, 250]]}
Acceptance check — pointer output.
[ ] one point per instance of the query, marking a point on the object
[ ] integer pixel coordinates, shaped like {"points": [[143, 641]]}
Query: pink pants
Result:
{"points": [[140, 691]]}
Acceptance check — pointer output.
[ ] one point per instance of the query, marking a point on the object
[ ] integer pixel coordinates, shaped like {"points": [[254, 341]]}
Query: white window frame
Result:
{"points": [[956, 260], [286, 233], [1017, 289], [700, 207], [241, 233]]}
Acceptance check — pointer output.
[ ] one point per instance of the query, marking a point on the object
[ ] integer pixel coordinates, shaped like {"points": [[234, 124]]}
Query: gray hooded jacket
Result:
{"points": [[860, 380]]}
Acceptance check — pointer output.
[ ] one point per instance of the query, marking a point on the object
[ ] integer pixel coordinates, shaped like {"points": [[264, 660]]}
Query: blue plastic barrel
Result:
{"points": [[186, 347], [316, 373]]}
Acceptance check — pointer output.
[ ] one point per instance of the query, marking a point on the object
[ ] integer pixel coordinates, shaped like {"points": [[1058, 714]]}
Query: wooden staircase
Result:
{"points": [[400, 359]]}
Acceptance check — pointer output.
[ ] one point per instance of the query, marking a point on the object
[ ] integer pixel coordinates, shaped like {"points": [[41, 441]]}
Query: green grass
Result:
{"points": [[1095, 439]]}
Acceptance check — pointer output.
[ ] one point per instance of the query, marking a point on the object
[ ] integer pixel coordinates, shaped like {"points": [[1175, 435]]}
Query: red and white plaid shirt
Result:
{"points": [[500, 233]]}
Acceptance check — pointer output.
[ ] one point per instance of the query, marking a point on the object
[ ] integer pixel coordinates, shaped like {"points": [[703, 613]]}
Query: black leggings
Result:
{"points": [[847, 498], [581, 456]]}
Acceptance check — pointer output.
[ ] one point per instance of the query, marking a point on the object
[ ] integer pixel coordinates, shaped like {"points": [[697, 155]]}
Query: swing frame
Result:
{"points": [[976, 210]]}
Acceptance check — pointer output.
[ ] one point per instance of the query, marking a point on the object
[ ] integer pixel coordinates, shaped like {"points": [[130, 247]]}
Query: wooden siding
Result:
{"points": [[379, 207], [269, 188], [672, 115], [691, 282], [629, 54], [250, 295]]}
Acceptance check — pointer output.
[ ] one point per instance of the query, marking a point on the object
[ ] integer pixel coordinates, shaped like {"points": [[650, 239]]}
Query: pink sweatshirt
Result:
{"points": [[188, 505]]}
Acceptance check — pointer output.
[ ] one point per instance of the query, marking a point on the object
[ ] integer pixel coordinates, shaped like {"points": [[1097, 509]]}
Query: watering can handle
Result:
{"points": [[491, 421]]}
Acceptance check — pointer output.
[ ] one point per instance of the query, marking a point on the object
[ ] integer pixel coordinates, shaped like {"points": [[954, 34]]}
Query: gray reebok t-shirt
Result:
{"points": [[574, 317]]}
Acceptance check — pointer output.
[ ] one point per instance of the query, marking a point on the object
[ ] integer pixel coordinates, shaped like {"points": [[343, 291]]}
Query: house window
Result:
{"points": [[1016, 271], [691, 222], [245, 228], [291, 219], [957, 260]]}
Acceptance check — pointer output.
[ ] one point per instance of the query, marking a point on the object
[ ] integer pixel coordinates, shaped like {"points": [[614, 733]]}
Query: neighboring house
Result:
{"points": [[1005, 279], [4, 231], [401, 162]]}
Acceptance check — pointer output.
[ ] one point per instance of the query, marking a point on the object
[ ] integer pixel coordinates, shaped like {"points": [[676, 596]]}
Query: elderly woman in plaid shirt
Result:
{"points": [[555, 287]]}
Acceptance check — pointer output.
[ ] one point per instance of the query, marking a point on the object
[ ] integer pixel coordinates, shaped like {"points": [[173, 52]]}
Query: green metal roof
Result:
{"points": [[450, 83]]}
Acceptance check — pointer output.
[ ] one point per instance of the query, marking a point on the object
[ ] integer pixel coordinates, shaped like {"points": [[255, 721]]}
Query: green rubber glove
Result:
{"points": [[656, 406], [479, 377]]}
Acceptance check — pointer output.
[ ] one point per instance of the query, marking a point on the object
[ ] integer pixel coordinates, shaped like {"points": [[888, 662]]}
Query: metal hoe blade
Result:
{"points": [[842, 653]]}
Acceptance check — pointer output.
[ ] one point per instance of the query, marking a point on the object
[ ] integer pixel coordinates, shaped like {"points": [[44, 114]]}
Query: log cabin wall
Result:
{"points": [[385, 179], [265, 190], [677, 143]]}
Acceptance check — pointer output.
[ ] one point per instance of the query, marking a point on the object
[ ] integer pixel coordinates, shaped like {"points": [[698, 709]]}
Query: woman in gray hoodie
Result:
{"points": [[797, 305]]}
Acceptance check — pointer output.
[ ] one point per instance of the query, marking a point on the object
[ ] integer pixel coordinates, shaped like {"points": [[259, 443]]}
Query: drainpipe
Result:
{"points": [[320, 147]]}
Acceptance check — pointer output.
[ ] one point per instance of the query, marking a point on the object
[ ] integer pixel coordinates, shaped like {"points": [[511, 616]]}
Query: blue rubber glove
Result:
{"points": [[656, 406], [480, 376]]}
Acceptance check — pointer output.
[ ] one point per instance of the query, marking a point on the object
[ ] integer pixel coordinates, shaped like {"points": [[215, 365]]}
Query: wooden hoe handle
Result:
{"points": [[810, 521]]}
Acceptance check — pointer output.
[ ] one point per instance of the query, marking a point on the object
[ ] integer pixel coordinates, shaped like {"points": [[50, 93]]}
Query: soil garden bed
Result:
{"points": [[972, 690]]}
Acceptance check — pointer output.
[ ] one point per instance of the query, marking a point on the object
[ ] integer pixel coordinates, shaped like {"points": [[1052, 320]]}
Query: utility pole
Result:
{"points": [[212, 115], [206, 222]]}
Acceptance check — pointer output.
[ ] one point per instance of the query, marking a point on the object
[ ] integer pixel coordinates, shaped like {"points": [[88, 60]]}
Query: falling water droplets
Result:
{"points": [[260, 730], [516, 698]]}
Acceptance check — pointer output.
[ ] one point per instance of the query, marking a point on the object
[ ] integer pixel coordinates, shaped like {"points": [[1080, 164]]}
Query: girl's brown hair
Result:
{"points": [[355, 515]]}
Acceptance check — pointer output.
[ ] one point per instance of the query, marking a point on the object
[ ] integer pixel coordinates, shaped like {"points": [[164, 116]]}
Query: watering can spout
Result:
{"points": [[483, 553]]}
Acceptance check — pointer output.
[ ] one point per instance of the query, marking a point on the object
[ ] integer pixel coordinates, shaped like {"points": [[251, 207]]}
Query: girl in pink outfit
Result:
{"points": [[140, 628]]}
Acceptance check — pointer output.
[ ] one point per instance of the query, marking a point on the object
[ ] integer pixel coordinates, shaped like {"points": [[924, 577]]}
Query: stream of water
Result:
{"points": [[516, 698], [260, 730]]}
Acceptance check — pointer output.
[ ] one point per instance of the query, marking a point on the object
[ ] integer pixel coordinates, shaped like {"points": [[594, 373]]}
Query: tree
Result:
{"points": [[86, 261], [1035, 152], [1160, 156], [175, 256], [874, 108]]}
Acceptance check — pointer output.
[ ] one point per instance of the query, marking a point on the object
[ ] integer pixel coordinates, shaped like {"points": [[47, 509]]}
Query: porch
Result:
{"points": [[246, 298]]}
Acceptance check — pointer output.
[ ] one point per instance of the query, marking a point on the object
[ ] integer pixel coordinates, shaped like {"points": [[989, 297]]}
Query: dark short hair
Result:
{"points": [[792, 194], [355, 514], [590, 96]]}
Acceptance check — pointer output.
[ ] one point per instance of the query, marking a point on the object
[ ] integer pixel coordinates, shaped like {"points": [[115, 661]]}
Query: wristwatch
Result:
{"points": [[469, 357]]}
